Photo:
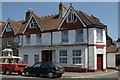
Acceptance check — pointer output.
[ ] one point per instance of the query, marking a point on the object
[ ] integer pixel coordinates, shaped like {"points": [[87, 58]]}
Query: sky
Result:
{"points": [[107, 12]]}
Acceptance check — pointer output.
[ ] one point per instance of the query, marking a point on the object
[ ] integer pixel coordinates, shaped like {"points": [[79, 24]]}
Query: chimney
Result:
{"points": [[28, 14], [62, 10]]}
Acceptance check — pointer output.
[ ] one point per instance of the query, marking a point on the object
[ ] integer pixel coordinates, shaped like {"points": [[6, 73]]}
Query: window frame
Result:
{"points": [[99, 35], [79, 37], [28, 39], [8, 43], [76, 57], [71, 18], [63, 57], [25, 58], [9, 28], [39, 39], [32, 24], [36, 58], [64, 36]]}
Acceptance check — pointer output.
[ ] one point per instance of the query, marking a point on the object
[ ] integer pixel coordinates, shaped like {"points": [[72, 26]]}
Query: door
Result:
{"points": [[46, 55], [99, 62]]}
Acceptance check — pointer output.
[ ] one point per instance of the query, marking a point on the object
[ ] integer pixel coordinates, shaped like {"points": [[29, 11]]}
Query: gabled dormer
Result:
{"points": [[33, 26], [71, 20], [10, 28]]}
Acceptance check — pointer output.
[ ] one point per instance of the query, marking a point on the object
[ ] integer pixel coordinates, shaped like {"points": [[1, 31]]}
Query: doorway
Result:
{"points": [[99, 62], [47, 56]]}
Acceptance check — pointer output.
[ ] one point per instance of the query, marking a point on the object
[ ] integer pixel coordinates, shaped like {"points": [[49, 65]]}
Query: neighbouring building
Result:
{"points": [[72, 38], [1, 26], [9, 31]]}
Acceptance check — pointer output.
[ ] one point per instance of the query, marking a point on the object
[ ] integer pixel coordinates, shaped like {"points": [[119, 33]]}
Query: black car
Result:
{"points": [[50, 69]]}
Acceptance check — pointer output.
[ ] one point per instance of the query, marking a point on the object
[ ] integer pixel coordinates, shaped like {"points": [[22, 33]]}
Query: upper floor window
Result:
{"points": [[28, 39], [99, 33], [39, 38], [33, 24], [79, 35], [9, 28], [71, 17], [65, 36]]}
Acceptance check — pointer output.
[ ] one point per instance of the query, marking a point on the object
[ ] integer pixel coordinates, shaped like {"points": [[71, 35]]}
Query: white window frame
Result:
{"points": [[79, 37], [77, 57], [8, 28], [63, 56], [33, 24], [99, 34], [71, 18], [36, 58], [64, 36], [38, 38], [28, 39], [25, 58]]}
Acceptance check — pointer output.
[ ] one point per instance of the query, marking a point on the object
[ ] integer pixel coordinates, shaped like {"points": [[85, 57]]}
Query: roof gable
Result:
{"points": [[36, 19], [71, 9], [14, 26]]}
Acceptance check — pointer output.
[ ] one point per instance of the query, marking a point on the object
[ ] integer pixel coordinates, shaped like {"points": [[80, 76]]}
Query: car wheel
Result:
{"points": [[26, 73], [7, 72], [50, 75]]}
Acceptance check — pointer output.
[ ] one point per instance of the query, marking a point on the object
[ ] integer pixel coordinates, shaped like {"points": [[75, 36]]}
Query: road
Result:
{"points": [[101, 77]]}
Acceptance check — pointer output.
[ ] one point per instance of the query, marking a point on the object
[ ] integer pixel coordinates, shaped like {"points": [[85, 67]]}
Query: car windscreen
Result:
{"points": [[56, 65], [17, 60]]}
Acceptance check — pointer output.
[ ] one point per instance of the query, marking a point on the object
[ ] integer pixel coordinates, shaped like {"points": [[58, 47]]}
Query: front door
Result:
{"points": [[46, 55], [99, 62]]}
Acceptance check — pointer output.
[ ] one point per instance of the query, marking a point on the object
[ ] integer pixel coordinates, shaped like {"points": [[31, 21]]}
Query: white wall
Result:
{"points": [[56, 38], [30, 52], [111, 60]]}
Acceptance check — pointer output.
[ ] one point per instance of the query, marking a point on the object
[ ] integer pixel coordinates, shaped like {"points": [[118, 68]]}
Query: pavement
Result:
{"points": [[88, 74]]}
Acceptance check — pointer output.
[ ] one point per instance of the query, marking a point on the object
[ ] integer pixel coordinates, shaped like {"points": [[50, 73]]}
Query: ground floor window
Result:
{"points": [[76, 56], [36, 58], [25, 57], [63, 56]]}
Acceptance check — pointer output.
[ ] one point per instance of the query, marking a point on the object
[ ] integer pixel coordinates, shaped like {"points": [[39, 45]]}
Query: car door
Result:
{"points": [[44, 68], [36, 69]]}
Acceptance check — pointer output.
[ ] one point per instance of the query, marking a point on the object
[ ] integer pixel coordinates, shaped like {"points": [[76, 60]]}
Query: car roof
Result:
{"points": [[1, 57]]}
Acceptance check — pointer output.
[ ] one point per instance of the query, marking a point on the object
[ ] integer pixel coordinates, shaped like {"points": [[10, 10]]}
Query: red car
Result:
{"points": [[9, 64]]}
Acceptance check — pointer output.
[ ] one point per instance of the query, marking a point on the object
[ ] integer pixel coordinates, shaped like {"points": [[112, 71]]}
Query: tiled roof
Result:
{"points": [[111, 49], [52, 21]]}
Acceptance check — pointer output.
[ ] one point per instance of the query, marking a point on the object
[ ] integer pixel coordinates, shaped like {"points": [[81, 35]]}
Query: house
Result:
{"points": [[72, 38], [9, 31]]}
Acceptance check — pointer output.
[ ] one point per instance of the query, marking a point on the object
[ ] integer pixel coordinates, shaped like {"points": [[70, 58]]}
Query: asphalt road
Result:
{"points": [[104, 77]]}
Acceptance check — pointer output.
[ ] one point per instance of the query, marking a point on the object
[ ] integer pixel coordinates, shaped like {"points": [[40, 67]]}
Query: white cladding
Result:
{"points": [[57, 42]]}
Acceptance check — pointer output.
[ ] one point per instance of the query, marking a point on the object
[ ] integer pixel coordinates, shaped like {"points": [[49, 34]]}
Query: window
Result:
{"points": [[71, 17], [76, 56], [63, 56], [37, 65], [25, 57], [99, 34], [33, 24], [8, 43], [36, 58], [28, 39], [9, 28], [79, 35], [65, 36], [39, 38]]}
